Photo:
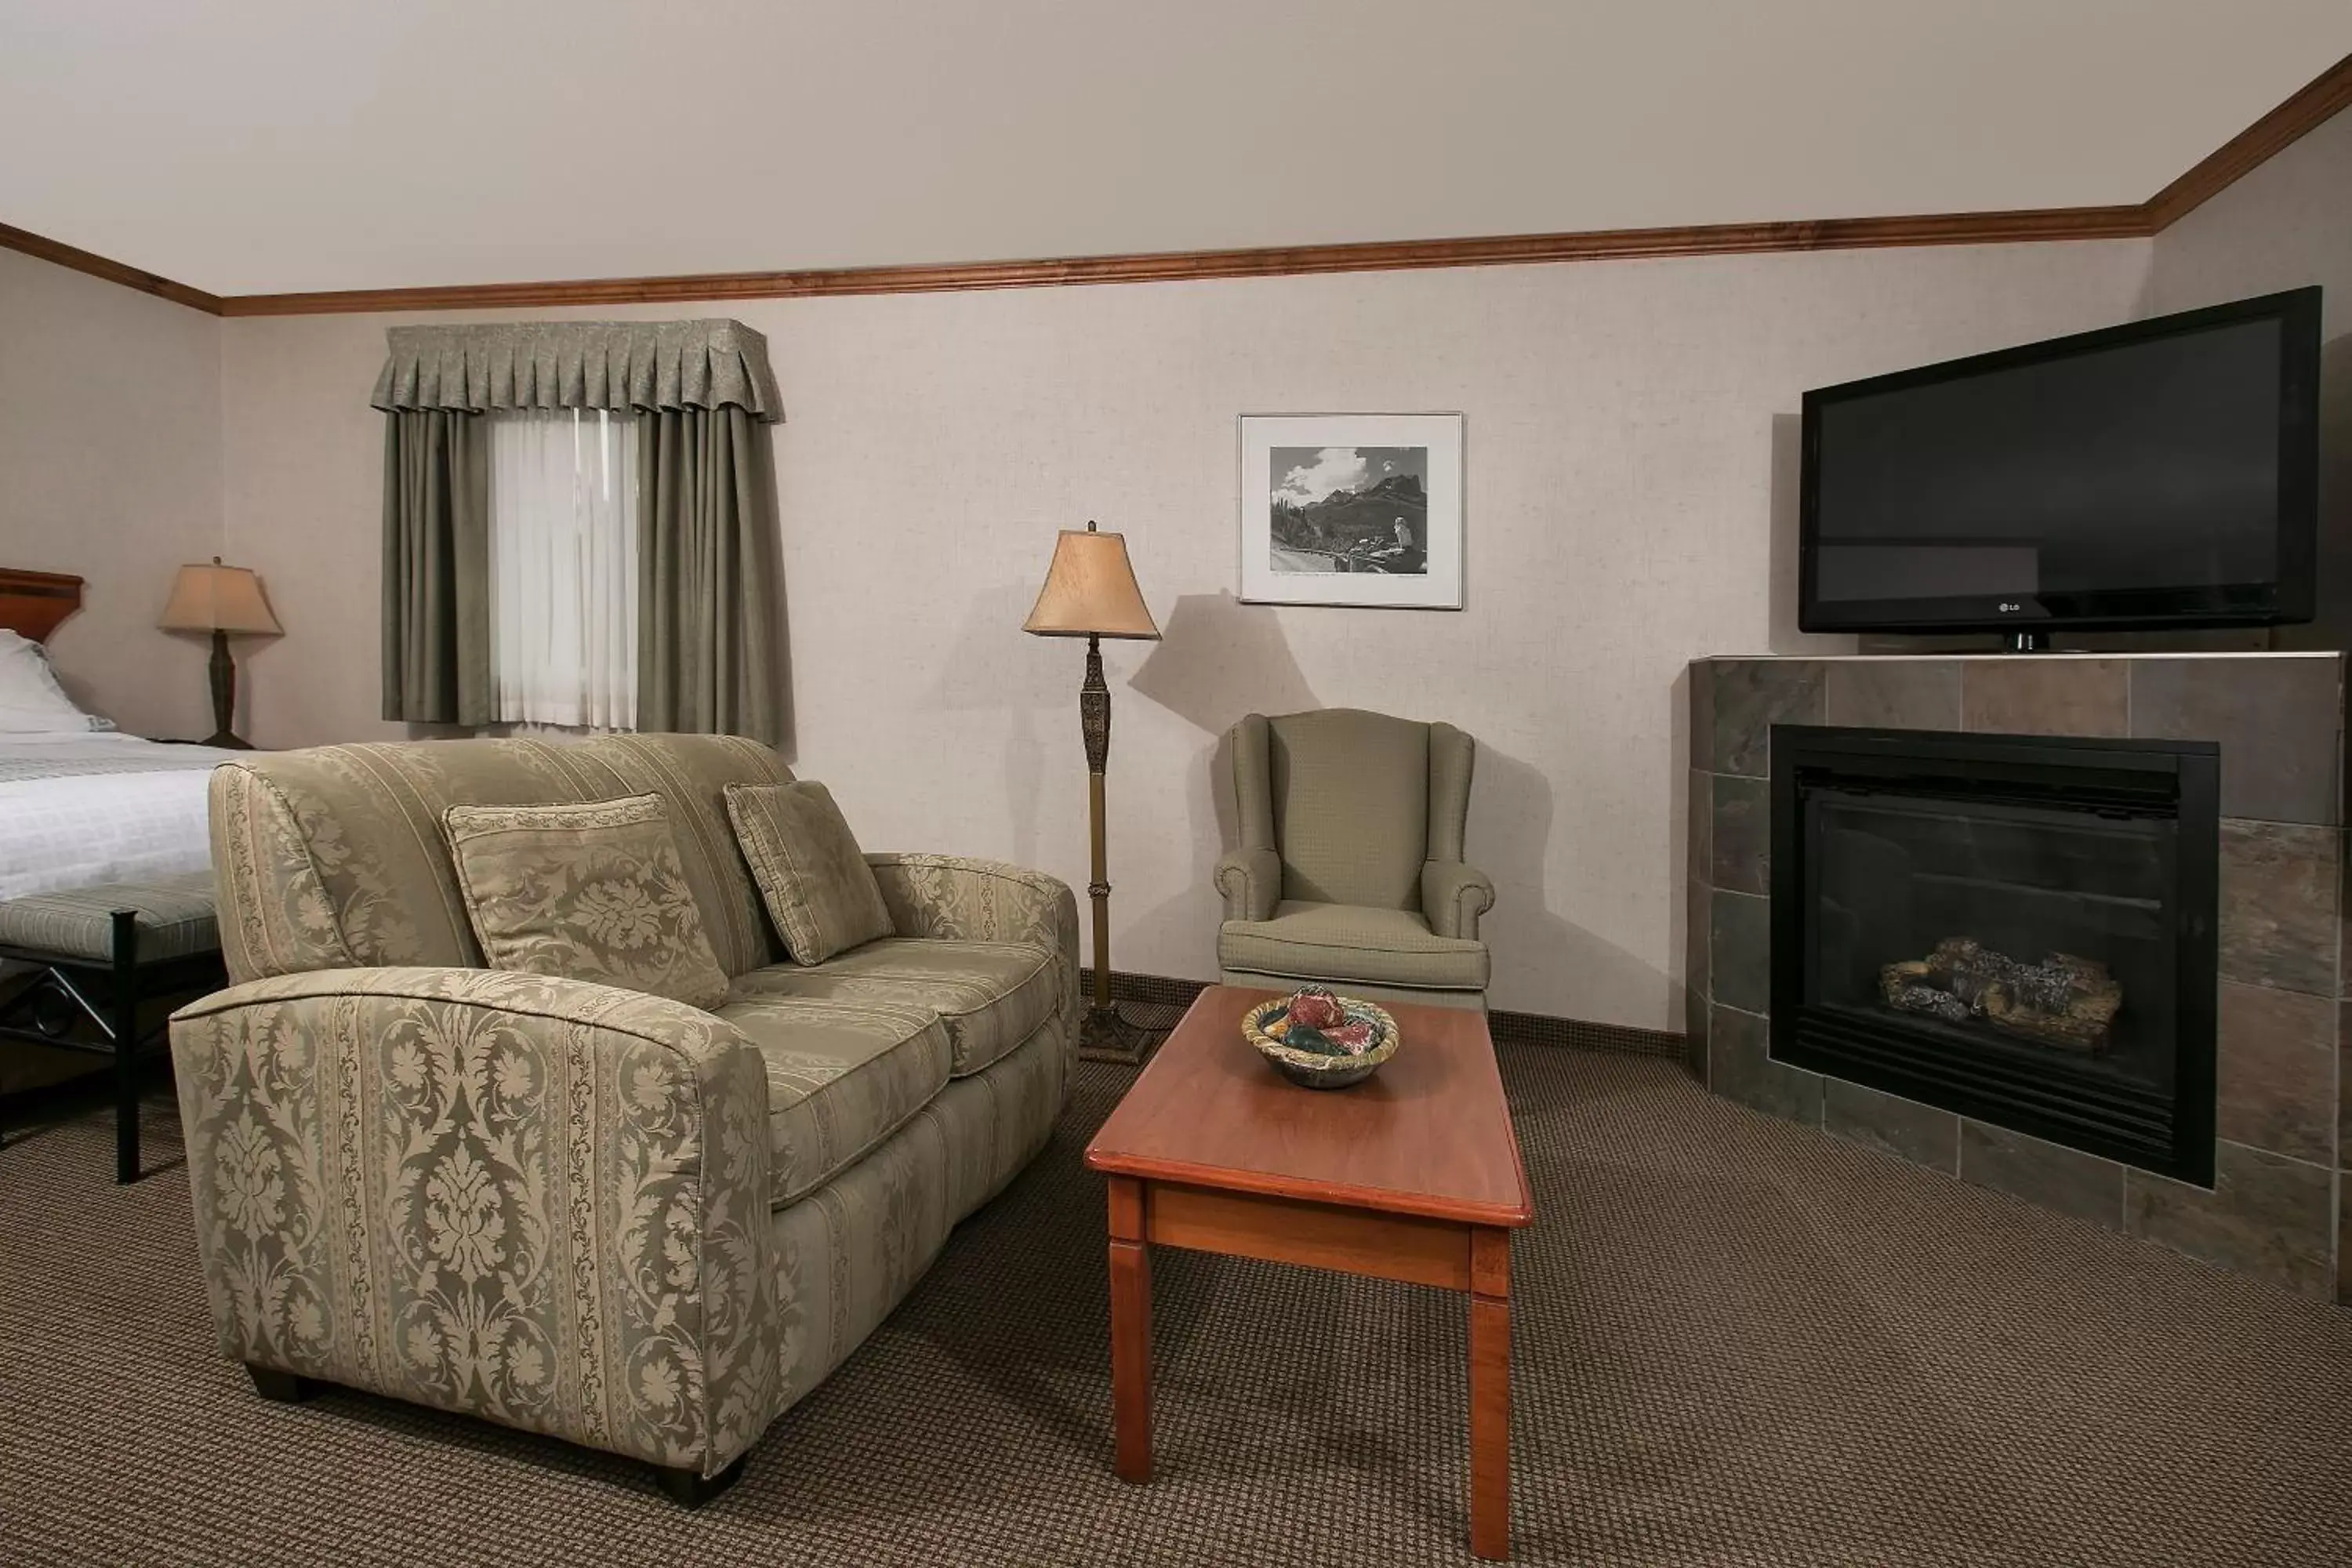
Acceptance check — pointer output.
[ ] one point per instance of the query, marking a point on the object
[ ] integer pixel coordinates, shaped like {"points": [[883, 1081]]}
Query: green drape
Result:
{"points": [[437, 567], [710, 576]]}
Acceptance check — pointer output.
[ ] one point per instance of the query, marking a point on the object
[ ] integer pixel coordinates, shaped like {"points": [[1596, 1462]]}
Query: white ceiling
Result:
{"points": [[250, 146]]}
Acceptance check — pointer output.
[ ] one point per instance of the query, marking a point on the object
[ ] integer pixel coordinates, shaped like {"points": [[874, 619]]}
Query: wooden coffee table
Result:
{"points": [[1412, 1175]]}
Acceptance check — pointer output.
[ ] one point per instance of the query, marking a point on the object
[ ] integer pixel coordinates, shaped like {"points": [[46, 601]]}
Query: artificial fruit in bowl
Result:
{"points": [[1316, 1008], [1316, 1020]]}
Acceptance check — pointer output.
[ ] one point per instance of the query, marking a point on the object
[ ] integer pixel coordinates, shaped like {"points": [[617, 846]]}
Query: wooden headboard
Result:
{"points": [[32, 603]]}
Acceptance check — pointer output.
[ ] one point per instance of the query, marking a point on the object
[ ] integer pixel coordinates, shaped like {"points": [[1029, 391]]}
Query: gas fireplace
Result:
{"points": [[2017, 928]]}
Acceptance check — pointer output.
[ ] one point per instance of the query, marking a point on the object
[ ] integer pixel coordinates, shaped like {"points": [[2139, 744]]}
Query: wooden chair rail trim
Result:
{"points": [[1421, 1205], [2308, 109]]}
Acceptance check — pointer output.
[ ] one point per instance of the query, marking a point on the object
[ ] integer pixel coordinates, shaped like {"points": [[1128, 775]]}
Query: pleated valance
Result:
{"points": [[580, 364]]}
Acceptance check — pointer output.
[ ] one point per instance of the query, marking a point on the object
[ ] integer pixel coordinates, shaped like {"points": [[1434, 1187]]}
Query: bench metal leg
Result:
{"points": [[125, 1007]]}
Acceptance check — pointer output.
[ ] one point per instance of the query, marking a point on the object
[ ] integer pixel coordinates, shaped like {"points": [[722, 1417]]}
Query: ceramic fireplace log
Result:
{"points": [[2065, 1000]]}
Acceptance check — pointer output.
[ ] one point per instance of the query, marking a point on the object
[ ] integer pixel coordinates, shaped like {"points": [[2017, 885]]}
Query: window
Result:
{"points": [[563, 567]]}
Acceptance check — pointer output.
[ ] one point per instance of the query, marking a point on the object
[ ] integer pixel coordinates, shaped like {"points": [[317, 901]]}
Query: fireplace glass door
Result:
{"points": [[2014, 929]]}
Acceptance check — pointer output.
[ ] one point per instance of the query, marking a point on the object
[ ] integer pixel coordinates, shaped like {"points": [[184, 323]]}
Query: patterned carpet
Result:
{"points": [[1736, 1343]]}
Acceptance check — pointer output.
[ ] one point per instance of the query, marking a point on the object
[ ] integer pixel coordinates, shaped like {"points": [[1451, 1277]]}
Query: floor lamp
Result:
{"points": [[1090, 593]]}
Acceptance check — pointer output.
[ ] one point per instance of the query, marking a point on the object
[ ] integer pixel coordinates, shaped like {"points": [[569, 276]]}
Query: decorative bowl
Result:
{"points": [[1306, 1054]]}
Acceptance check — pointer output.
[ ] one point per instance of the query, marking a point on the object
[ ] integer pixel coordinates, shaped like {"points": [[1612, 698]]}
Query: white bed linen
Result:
{"points": [[104, 825]]}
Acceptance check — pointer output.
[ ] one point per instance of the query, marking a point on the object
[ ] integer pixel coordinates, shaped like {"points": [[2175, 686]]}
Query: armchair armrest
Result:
{"points": [[1452, 897], [1250, 882], [981, 900], [534, 1199]]}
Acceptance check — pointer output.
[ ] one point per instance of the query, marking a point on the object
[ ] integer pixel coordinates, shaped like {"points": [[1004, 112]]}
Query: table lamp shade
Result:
{"points": [[1090, 590], [217, 598]]}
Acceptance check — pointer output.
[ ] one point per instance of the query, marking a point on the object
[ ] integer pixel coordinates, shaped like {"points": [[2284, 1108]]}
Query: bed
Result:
{"points": [[99, 807], [106, 890], [80, 804]]}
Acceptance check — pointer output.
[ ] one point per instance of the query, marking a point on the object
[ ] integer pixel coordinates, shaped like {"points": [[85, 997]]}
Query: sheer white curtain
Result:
{"points": [[563, 567]]}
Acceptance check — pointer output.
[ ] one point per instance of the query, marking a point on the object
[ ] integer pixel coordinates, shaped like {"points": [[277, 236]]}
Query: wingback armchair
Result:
{"points": [[1350, 871]]}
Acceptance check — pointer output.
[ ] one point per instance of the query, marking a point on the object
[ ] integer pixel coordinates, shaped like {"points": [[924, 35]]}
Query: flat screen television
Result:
{"points": [[2164, 473]]}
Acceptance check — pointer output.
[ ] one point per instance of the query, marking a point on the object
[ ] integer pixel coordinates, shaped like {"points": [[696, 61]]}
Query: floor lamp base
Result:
{"points": [[1106, 1036]]}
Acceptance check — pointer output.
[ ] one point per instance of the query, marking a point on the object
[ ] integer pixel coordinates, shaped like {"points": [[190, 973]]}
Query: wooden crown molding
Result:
{"points": [[1709, 239], [2320, 101], [112, 271], [2326, 95]]}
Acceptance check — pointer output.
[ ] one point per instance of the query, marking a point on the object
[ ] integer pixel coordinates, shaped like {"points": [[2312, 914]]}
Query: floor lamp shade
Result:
{"points": [[220, 600], [1090, 592]]}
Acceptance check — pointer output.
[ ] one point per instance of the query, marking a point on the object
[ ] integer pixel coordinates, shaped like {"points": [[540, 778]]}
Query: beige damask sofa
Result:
{"points": [[583, 1211]]}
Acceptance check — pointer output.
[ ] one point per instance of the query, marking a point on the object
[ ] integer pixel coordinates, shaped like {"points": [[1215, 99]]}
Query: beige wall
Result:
{"points": [[110, 467], [1630, 497], [2287, 224]]}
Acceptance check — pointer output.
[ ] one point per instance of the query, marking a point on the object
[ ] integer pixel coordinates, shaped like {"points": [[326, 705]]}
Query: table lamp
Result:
{"points": [[220, 600], [1090, 593]]}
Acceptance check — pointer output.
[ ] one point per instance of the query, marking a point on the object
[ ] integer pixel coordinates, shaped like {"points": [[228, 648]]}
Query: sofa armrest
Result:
{"points": [[1452, 897], [1250, 882], [981, 900], [534, 1199]]}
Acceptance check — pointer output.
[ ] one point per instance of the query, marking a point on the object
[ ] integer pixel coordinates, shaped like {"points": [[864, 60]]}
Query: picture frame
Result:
{"points": [[1361, 509]]}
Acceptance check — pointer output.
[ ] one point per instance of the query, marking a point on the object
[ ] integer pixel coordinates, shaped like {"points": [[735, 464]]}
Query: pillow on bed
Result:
{"points": [[31, 700]]}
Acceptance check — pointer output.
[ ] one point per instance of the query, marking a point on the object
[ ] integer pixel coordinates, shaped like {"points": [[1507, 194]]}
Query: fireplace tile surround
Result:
{"points": [[2284, 1093]]}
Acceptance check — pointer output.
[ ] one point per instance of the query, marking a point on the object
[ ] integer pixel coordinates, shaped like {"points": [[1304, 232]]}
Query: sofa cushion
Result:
{"points": [[818, 888], [842, 1077], [588, 892], [991, 995], [1339, 942]]}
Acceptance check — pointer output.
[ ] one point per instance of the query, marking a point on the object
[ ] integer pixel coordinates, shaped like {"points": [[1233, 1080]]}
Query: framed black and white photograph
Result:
{"points": [[1353, 509]]}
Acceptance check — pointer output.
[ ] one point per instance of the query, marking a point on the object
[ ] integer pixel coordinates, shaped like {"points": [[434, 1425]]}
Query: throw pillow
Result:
{"points": [[588, 892], [818, 888]]}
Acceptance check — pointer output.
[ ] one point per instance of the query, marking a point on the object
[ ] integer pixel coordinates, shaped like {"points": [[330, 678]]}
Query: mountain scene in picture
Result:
{"points": [[1351, 509]]}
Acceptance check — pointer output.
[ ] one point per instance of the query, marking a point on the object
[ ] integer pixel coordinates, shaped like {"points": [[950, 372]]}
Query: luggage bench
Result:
{"points": [[101, 950]]}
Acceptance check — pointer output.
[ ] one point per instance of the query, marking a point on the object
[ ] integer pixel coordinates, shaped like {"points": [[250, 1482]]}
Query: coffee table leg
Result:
{"points": [[1490, 1392], [1130, 1330]]}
